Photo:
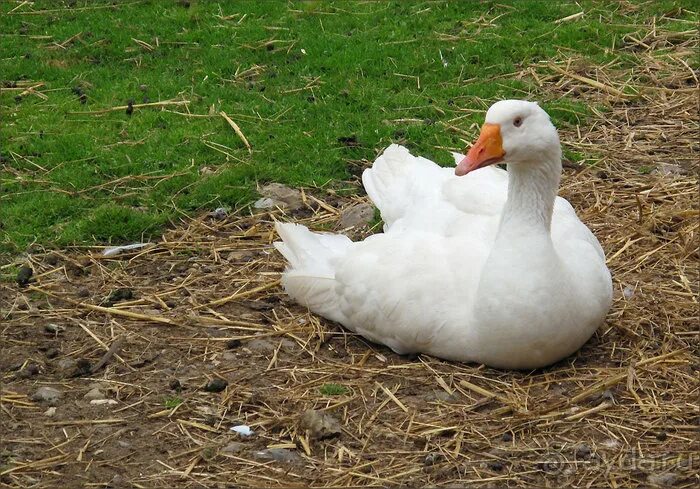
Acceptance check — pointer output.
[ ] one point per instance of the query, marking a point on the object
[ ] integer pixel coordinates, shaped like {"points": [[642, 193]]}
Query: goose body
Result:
{"points": [[489, 266]]}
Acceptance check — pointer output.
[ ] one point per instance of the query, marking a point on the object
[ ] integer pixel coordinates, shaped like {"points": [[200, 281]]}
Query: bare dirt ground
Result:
{"points": [[177, 343]]}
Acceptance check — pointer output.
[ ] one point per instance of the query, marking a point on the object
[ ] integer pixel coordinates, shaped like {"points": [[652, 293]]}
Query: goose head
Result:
{"points": [[514, 132]]}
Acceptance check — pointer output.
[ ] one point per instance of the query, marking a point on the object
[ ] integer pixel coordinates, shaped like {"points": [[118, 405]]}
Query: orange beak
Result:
{"points": [[487, 150]]}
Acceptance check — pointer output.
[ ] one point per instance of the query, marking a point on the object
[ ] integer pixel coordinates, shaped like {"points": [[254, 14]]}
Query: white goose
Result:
{"points": [[491, 267]]}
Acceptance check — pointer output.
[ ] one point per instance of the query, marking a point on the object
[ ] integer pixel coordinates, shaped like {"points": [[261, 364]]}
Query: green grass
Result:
{"points": [[322, 71], [333, 389], [172, 402]]}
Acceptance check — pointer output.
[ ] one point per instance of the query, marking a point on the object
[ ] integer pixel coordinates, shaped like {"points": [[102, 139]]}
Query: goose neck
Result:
{"points": [[532, 189]]}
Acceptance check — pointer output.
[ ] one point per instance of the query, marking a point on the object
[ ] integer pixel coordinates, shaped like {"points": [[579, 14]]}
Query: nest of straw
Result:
{"points": [[207, 305]]}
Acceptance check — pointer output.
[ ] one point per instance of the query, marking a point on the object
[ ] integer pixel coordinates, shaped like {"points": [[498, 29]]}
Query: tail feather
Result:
{"points": [[307, 251], [397, 180], [310, 277]]}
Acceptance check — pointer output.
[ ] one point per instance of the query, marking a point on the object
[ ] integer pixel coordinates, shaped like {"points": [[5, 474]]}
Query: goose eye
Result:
{"points": [[518, 121]]}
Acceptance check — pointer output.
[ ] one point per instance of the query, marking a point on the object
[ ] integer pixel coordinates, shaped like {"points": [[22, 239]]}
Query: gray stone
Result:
{"points": [[356, 216], [607, 395], [289, 197], [664, 479], [219, 213], [320, 425], [431, 458], [48, 395], [278, 455], [495, 465], [119, 482], [54, 328], [67, 365], [582, 451], [216, 385], [610, 443], [266, 203], [289, 345], [670, 169], [30, 370], [234, 447], [94, 394], [229, 356], [260, 346]]}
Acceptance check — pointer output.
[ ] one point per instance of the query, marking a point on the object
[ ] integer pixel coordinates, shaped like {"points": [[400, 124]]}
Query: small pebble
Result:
{"points": [[49, 395], [582, 451], [431, 458], [670, 169], [94, 394], [358, 215], [121, 294], [282, 195], [119, 482], [289, 346], [267, 203], [54, 329], [610, 443], [29, 371], [234, 447], [607, 395], [664, 479], [495, 465], [507, 436], [23, 275], [216, 385], [52, 353], [219, 213], [260, 346], [82, 367], [67, 365], [278, 455], [50, 411], [320, 425], [233, 344]]}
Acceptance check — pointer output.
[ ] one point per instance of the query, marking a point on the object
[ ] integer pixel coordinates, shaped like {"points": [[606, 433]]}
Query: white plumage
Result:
{"points": [[468, 267]]}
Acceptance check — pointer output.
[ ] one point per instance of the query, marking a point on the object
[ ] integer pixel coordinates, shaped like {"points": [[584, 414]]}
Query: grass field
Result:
{"points": [[315, 87]]}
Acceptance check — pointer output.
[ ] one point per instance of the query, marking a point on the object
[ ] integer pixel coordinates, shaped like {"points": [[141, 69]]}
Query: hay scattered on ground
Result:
{"points": [[203, 305]]}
